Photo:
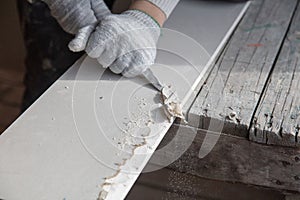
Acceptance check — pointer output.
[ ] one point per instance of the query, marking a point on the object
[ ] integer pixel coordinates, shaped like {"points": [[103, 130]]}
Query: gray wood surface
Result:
{"points": [[233, 88], [236, 160], [257, 73], [277, 119]]}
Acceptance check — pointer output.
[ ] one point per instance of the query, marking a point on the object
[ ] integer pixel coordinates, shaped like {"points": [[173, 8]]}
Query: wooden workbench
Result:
{"points": [[252, 92]]}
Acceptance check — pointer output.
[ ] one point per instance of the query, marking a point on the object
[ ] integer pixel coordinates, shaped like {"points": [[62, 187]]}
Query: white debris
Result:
{"points": [[136, 130], [171, 103]]}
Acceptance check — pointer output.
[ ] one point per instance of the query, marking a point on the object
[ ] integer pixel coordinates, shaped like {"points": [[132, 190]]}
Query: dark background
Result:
{"points": [[12, 54]]}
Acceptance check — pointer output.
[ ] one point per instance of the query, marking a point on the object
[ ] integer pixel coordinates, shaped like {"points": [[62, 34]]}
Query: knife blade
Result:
{"points": [[149, 75]]}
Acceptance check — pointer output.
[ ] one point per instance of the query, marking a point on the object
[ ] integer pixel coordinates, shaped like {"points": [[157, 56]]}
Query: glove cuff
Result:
{"points": [[167, 6], [143, 17]]}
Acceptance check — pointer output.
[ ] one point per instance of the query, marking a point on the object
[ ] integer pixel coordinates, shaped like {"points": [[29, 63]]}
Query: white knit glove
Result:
{"points": [[78, 17], [126, 43]]}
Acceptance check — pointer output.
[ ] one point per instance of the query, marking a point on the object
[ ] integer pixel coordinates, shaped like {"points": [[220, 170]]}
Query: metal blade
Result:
{"points": [[149, 75]]}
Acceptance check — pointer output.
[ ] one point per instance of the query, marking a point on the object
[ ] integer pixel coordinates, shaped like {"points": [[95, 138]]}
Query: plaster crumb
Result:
{"points": [[136, 129], [233, 116], [172, 104], [103, 195], [297, 34], [111, 177]]}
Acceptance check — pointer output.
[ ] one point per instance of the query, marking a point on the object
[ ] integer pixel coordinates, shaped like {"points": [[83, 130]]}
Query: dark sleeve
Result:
{"points": [[47, 53]]}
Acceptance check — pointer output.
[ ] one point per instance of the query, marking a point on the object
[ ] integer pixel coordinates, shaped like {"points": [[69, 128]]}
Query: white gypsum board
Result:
{"points": [[84, 128]]}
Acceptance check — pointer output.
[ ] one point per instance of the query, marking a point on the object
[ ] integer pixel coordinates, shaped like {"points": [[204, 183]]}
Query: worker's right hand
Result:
{"points": [[78, 17], [125, 43]]}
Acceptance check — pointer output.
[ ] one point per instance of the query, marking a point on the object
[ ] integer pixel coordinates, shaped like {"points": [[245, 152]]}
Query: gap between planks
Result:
{"points": [[235, 102], [276, 119]]}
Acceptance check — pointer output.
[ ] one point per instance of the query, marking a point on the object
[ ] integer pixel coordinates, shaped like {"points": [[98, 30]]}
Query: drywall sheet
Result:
{"points": [[92, 132]]}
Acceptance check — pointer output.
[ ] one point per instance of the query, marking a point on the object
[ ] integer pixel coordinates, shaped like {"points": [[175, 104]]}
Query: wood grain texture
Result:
{"points": [[167, 184], [277, 119], [233, 88], [235, 159]]}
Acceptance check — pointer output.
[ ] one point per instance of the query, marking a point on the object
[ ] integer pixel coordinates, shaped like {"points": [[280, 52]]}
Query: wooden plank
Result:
{"points": [[292, 197], [169, 184], [233, 88], [233, 159], [277, 119]]}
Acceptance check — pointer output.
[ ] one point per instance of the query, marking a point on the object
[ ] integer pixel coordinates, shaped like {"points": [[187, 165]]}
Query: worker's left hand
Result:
{"points": [[126, 43], [100, 10], [78, 17]]}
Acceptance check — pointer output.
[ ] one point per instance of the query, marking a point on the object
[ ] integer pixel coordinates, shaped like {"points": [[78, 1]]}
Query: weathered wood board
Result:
{"points": [[277, 119], [233, 88], [168, 184], [233, 159]]}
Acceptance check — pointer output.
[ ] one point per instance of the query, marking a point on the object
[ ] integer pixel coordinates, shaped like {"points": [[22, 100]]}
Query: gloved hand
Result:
{"points": [[126, 43], [78, 17]]}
